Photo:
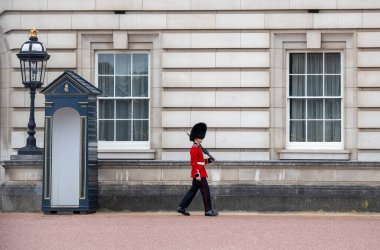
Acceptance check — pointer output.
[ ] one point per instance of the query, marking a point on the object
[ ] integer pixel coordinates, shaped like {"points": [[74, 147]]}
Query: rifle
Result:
{"points": [[204, 150]]}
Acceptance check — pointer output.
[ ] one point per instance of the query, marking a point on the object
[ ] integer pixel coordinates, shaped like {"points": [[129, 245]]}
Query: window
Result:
{"points": [[314, 100], [123, 109]]}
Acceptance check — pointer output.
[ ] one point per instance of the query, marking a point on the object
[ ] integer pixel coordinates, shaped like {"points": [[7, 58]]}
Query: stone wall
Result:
{"points": [[235, 186]]}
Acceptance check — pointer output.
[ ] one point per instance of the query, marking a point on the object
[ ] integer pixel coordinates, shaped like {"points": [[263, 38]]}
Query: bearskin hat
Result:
{"points": [[198, 131]]}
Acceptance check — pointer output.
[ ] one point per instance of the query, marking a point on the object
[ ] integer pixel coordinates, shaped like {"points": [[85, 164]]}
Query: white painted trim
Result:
{"points": [[314, 145]]}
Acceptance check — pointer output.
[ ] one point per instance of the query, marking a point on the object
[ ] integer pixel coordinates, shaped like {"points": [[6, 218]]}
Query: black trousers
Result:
{"points": [[205, 191]]}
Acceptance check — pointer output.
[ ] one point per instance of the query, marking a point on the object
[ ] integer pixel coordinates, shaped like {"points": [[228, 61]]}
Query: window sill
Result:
{"points": [[293, 154], [126, 154]]}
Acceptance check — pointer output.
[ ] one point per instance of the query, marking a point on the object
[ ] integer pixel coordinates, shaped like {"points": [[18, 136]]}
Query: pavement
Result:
{"points": [[135, 231]]}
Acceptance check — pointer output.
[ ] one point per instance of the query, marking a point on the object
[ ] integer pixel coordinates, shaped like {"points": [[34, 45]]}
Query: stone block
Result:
{"points": [[63, 60], [119, 5], [150, 174], [242, 139], [18, 139], [368, 39], [93, 20], [338, 20], [57, 21], [120, 39], [254, 156], [143, 21], [224, 155], [369, 99], [316, 175], [10, 22], [175, 174], [371, 20], [60, 40], [188, 99], [369, 119], [166, 5], [264, 5], [176, 40], [254, 79], [369, 156], [175, 155], [15, 40], [20, 119], [247, 174], [255, 40], [217, 118], [242, 99], [173, 119], [289, 21], [216, 79], [254, 119], [239, 21], [179, 139], [215, 5], [309, 5], [242, 59], [368, 78], [368, 59], [369, 140], [352, 4], [176, 79], [18, 98], [71, 5], [357, 175], [215, 40], [188, 60], [191, 21], [313, 39], [230, 174]]}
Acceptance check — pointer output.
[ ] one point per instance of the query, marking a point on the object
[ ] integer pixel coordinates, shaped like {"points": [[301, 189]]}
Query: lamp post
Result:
{"points": [[33, 57]]}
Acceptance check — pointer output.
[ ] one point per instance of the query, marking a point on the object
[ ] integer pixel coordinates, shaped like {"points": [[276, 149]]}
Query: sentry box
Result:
{"points": [[70, 170]]}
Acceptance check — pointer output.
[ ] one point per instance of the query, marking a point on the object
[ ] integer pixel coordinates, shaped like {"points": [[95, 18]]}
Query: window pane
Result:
{"points": [[123, 109], [123, 64], [123, 86], [297, 86], [314, 85], [314, 63], [140, 109], [332, 85], [123, 131], [105, 64], [105, 84], [140, 64], [297, 109], [106, 130], [333, 133], [315, 109], [297, 63], [297, 131], [332, 63], [106, 109], [314, 131], [333, 109], [140, 131], [140, 86]]}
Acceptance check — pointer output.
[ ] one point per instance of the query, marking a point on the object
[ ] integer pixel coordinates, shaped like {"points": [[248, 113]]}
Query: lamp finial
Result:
{"points": [[33, 34]]}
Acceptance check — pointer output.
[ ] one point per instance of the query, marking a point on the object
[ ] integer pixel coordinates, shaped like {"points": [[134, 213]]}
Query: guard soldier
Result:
{"points": [[198, 173]]}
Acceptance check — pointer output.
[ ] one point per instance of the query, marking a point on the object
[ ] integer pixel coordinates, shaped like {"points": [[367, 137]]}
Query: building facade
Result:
{"points": [[290, 91]]}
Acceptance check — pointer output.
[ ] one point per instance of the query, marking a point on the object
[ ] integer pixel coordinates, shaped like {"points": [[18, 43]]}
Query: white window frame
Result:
{"points": [[314, 145], [124, 144]]}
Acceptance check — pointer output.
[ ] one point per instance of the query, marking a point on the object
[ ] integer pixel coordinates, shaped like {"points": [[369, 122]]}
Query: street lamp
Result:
{"points": [[33, 57]]}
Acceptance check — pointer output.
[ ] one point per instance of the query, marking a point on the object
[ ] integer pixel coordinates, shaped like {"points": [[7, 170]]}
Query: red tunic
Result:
{"points": [[198, 162]]}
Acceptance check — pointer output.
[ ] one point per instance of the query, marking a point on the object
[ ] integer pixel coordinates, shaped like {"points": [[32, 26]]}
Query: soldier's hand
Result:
{"points": [[210, 160], [198, 178]]}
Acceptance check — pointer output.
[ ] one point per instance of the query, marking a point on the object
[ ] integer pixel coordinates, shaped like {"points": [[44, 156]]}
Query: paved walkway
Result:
{"points": [[174, 231]]}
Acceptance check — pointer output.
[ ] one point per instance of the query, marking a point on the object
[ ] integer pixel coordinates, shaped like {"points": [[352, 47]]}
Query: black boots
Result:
{"points": [[183, 211], [211, 213]]}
